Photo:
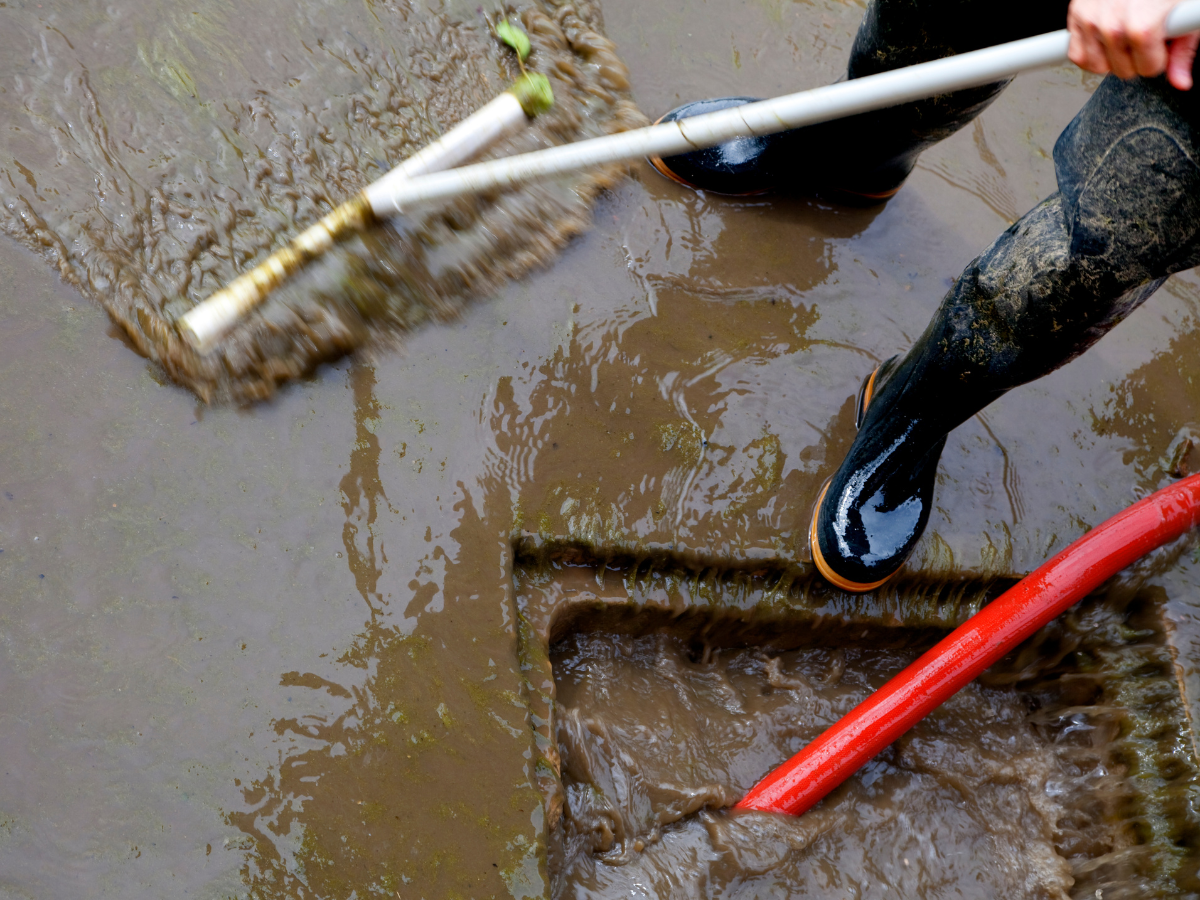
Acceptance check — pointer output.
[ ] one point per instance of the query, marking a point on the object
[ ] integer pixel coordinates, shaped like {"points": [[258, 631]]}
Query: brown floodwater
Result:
{"points": [[1039, 780], [649, 736], [303, 648]]}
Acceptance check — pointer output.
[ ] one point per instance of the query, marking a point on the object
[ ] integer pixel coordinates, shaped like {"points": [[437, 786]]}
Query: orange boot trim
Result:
{"points": [[829, 575]]}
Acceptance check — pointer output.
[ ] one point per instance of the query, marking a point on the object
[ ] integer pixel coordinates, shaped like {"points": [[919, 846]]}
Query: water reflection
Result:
{"points": [[370, 793], [1154, 408], [362, 491], [708, 425], [325, 822]]}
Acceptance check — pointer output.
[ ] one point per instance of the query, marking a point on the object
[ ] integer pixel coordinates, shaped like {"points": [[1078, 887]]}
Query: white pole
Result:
{"points": [[206, 323], [765, 117], [484, 128]]}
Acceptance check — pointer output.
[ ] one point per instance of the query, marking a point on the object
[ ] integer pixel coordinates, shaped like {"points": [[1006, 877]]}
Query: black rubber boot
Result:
{"points": [[740, 167], [1127, 214], [868, 157]]}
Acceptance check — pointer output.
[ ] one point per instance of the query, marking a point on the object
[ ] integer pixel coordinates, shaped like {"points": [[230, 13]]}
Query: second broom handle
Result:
{"points": [[822, 104]]}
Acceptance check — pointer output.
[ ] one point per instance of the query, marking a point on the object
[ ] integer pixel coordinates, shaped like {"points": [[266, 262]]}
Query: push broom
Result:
{"points": [[418, 183], [205, 324]]}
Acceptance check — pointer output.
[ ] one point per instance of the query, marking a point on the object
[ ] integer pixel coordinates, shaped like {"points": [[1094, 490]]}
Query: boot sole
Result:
{"points": [[661, 167], [864, 397], [879, 196]]}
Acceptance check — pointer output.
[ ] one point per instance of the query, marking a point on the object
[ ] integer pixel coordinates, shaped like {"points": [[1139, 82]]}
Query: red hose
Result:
{"points": [[967, 651]]}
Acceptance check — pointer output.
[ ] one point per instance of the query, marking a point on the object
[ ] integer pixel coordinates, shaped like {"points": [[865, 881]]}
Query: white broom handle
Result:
{"points": [[484, 128], [834, 101], [207, 322]]}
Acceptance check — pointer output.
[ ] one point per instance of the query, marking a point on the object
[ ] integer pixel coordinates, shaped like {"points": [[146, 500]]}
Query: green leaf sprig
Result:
{"points": [[517, 39]]}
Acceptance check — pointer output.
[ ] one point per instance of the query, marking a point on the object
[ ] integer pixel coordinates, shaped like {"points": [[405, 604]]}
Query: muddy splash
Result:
{"points": [[959, 808], [155, 155], [1063, 771]]}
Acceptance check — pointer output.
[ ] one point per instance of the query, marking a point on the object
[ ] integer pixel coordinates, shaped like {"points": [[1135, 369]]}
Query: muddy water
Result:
{"points": [[280, 650], [157, 152], [650, 736], [1041, 779]]}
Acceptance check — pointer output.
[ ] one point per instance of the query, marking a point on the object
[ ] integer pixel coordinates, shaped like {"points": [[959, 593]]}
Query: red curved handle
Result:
{"points": [[967, 651]]}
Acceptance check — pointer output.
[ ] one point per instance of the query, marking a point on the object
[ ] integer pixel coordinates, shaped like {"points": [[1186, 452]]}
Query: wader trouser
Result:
{"points": [[1125, 216]]}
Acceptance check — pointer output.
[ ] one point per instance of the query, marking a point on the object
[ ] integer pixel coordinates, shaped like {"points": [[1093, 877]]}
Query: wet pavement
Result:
{"points": [[278, 651]]}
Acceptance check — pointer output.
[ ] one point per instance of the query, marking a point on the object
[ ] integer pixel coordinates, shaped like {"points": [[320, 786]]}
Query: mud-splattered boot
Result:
{"points": [[866, 158], [1127, 214]]}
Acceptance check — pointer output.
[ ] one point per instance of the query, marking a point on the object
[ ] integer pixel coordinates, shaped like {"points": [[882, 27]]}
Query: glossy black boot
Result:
{"points": [[775, 163], [741, 167], [1127, 214], [870, 515], [866, 158]]}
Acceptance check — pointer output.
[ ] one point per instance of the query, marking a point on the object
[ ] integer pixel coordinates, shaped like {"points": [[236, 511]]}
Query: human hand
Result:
{"points": [[1128, 38]]}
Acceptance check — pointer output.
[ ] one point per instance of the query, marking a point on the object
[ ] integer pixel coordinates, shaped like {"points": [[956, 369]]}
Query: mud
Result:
{"points": [[156, 153], [649, 737], [1039, 780], [290, 650]]}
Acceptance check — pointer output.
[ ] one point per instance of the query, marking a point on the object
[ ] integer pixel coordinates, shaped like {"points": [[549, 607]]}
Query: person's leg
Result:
{"points": [[1126, 215], [869, 155]]}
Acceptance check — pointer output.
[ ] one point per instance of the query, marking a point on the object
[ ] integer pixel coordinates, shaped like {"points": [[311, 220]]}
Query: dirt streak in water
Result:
{"points": [[153, 164]]}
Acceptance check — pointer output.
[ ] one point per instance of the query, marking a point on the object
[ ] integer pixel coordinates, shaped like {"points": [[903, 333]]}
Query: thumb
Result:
{"points": [[1181, 56]]}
